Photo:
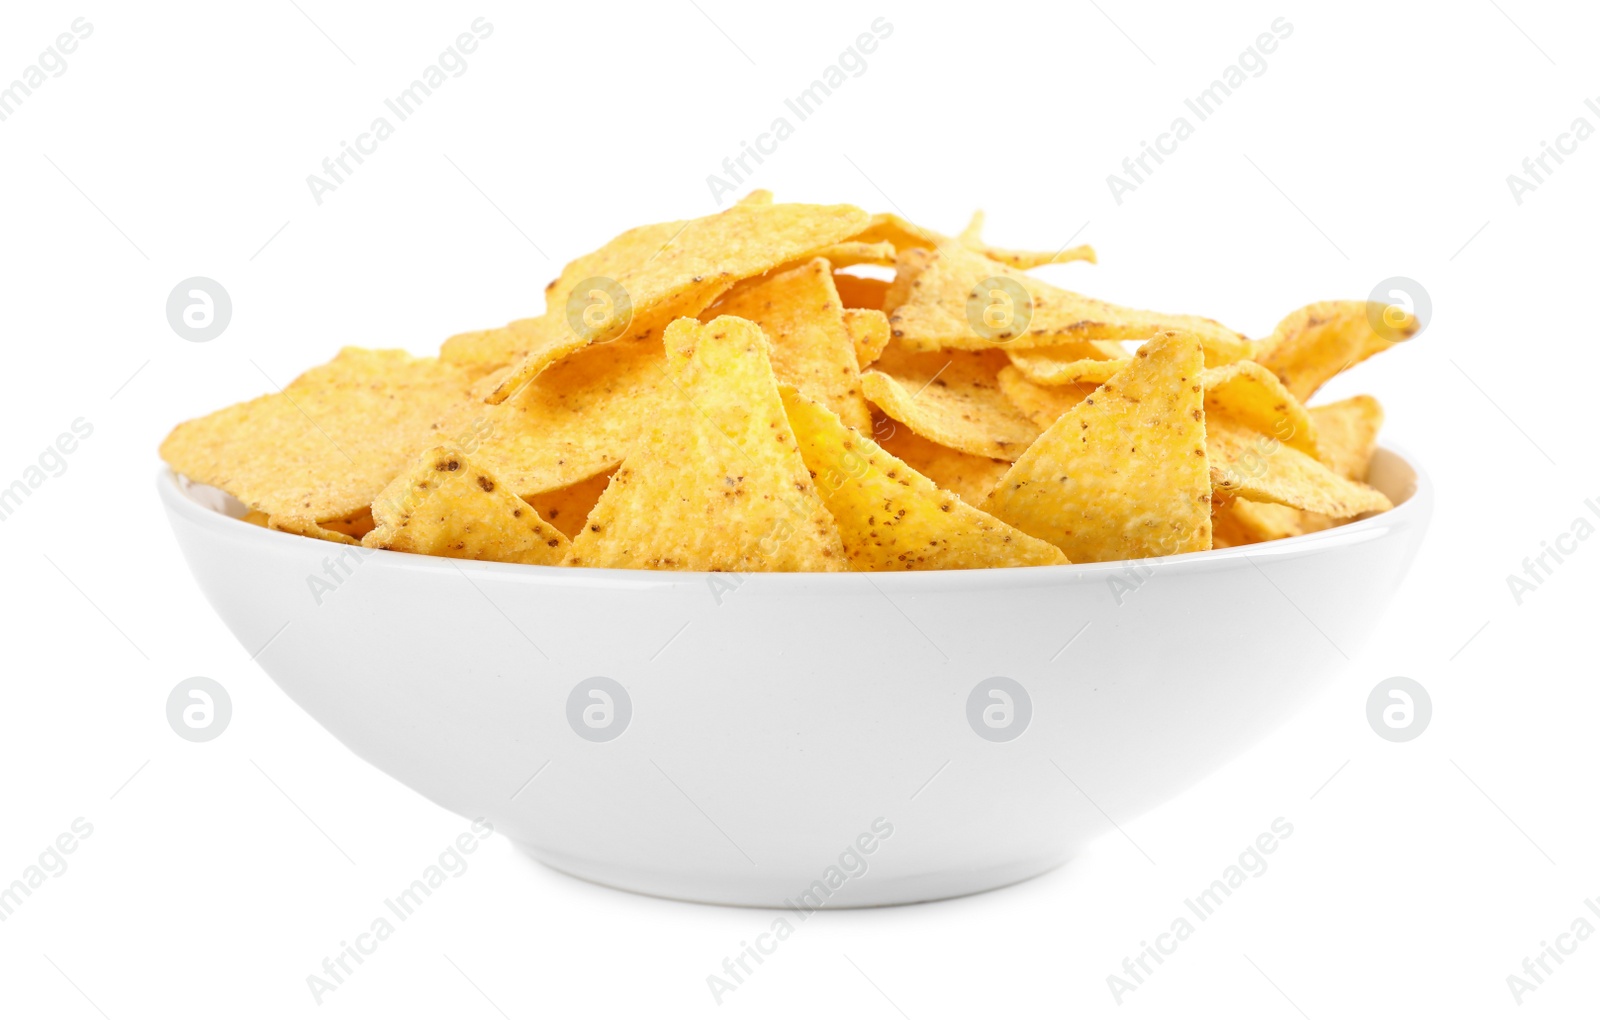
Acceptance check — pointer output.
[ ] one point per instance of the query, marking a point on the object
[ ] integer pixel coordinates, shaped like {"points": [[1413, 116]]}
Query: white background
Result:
{"points": [[1377, 143]]}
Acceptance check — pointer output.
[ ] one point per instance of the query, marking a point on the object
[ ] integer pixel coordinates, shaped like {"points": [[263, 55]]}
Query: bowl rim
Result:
{"points": [[1414, 509]]}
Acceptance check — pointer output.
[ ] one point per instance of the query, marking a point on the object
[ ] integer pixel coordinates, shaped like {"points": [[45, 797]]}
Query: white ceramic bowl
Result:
{"points": [[815, 739]]}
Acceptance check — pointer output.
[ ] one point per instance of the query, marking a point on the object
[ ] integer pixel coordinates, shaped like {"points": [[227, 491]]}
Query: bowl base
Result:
{"points": [[789, 893]]}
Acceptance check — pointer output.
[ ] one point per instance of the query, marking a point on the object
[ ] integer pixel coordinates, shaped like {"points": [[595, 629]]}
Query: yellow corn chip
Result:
{"points": [[1347, 433], [928, 309], [485, 350], [869, 331], [1226, 531], [860, 291], [950, 397], [1061, 366], [450, 505], [715, 480], [309, 529], [1247, 521], [256, 517], [760, 196], [857, 253], [812, 349], [489, 349], [1044, 404], [627, 251], [891, 517], [901, 233], [325, 445], [1247, 464], [1253, 397], [968, 476], [355, 525], [570, 423], [568, 508], [1319, 341], [699, 261], [1123, 474], [972, 236], [905, 235]]}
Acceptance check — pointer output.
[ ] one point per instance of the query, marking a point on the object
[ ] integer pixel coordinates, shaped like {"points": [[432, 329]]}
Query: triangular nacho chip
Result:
{"points": [[699, 261], [1347, 433], [869, 331], [484, 350], [857, 253], [1246, 522], [569, 508], [860, 291], [972, 236], [1092, 361], [1123, 474], [715, 480], [1044, 404], [812, 350], [933, 311], [1253, 397], [891, 517], [969, 476], [326, 444], [450, 505], [309, 529], [1248, 464], [570, 423], [904, 235], [950, 397], [1319, 341]]}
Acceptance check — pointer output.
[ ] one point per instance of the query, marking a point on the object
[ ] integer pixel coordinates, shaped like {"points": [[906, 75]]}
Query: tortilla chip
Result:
{"points": [[1347, 434], [568, 508], [715, 480], [699, 261], [1123, 474], [627, 251], [1247, 521], [857, 253], [905, 235], [256, 517], [1248, 464], [1044, 404], [928, 311], [869, 331], [812, 349], [860, 291], [951, 397], [901, 233], [485, 350], [325, 445], [1253, 397], [968, 476], [891, 517], [451, 505], [1319, 341], [573, 422], [972, 236], [355, 525], [760, 196], [1088, 362], [1226, 533], [309, 529]]}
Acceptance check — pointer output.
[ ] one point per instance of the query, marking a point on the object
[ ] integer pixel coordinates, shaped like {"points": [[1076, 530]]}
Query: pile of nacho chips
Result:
{"points": [[754, 391]]}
